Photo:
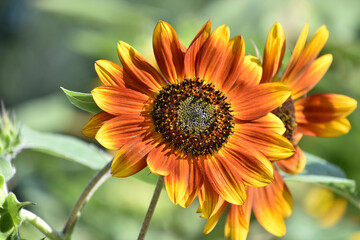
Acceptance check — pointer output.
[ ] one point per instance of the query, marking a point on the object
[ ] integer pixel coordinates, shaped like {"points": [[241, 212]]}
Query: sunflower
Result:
{"points": [[192, 119], [321, 115]]}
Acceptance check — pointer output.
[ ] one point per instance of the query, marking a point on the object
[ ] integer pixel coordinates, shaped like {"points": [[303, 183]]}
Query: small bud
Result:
{"points": [[9, 134]]}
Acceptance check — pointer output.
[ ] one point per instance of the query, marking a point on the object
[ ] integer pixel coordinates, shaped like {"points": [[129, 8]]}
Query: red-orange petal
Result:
{"points": [[119, 100], [273, 53], [259, 100], [161, 161], [273, 145], [305, 81], [249, 76], [226, 180], [168, 53], [195, 182], [131, 158], [146, 76], [232, 64], [270, 122], [329, 129], [193, 50], [95, 123], [116, 132], [111, 74], [321, 108], [294, 164], [256, 170], [211, 55], [272, 204], [177, 181]]}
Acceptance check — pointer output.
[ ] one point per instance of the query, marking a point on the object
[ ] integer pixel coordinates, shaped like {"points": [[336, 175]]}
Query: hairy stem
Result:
{"points": [[151, 208], [41, 225], [85, 196]]}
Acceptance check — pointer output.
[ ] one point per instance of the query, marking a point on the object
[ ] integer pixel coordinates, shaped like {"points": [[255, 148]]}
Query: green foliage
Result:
{"points": [[9, 143], [83, 101], [66, 147], [9, 134], [10, 216], [6, 168], [319, 171]]}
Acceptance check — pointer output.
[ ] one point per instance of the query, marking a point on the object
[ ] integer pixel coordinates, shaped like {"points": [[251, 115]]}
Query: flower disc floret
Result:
{"points": [[193, 117]]}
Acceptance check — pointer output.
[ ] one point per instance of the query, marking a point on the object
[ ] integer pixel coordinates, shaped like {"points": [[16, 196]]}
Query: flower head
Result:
{"points": [[203, 118], [315, 115]]}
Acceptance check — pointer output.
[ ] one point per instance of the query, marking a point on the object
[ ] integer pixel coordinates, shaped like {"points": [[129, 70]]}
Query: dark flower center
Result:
{"points": [[193, 117], [286, 113]]}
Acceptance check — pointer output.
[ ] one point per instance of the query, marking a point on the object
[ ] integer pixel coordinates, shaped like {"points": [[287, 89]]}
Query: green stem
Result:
{"points": [[151, 208], [85, 196], [41, 225]]}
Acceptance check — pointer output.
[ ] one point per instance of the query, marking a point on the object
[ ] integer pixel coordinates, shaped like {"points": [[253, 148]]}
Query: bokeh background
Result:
{"points": [[45, 44]]}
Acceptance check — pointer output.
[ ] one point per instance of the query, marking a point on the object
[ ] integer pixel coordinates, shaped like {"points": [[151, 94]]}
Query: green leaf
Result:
{"points": [[14, 207], [64, 146], [319, 171], [84, 101], [6, 168], [2, 194]]}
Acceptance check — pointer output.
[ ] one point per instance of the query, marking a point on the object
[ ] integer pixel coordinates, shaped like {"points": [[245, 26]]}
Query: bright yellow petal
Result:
{"points": [[273, 53], [329, 129], [110, 73]]}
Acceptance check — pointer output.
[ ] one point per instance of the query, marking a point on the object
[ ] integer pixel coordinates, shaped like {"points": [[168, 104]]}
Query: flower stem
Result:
{"points": [[41, 225], [85, 196], [151, 208]]}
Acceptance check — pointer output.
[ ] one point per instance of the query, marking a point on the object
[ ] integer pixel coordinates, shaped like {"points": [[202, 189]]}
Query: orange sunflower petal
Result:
{"points": [[131, 158], [208, 199], [192, 52], [111, 74], [256, 170], [211, 54], [273, 145], [226, 180], [273, 53], [95, 123], [168, 53], [117, 131], [259, 100], [215, 216], [249, 75], [195, 182], [272, 204], [161, 161], [294, 164], [177, 181], [329, 129], [146, 76], [303, 83], [319, 108], [269, 122], [238, 219], [232, 65], [118, 100]]}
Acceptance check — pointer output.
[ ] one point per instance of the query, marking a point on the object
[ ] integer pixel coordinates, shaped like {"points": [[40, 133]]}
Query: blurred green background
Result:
{"points": [[45, 44]]}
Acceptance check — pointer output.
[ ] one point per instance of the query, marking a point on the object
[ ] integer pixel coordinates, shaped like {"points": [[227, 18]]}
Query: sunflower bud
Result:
{"points": [[9, 134]]}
